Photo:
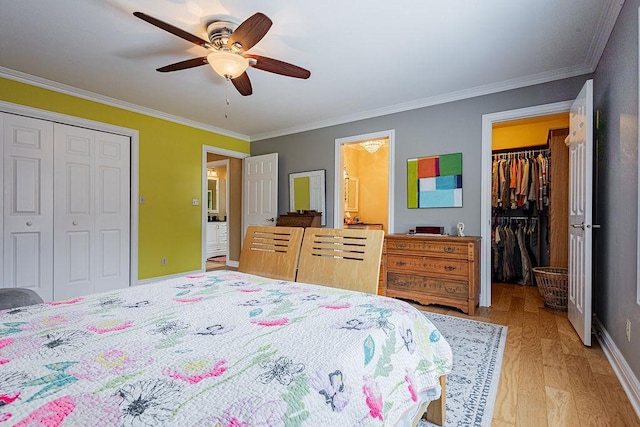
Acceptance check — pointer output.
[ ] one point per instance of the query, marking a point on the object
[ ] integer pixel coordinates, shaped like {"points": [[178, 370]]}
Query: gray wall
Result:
{"points": [[616, 98], [447, 128]]}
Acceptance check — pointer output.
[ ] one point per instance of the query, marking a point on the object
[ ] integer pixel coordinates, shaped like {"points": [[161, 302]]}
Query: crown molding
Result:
{"points": [[521, 82], [604, 28], [32, 80]]}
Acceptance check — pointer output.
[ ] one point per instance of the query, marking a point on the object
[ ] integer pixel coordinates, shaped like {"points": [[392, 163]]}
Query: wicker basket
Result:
{"points": [[553, 283]]}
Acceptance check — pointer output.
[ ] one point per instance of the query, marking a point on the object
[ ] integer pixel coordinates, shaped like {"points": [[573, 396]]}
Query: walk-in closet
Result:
{"points": [[529, 198]]}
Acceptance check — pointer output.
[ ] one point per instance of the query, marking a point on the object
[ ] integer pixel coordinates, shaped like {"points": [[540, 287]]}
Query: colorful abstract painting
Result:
{"points": [[435, 181]]}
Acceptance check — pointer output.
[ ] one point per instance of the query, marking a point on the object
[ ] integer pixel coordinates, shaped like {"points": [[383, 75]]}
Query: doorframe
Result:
{"points": [[205, 208], [206, 149], [338, 206], [132, 134], [488, 121]]}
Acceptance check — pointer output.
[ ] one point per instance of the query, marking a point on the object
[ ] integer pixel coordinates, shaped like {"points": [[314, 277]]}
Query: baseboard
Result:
{"points": [[233, 263], [170, 276], [623, 371]]}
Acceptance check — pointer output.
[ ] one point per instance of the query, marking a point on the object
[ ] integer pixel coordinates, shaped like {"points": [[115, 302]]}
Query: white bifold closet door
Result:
{"points": [[65, 208], [91, 211], [27, 201]]}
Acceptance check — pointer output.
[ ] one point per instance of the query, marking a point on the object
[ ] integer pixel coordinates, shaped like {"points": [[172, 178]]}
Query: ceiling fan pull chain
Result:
{"points": [[226, 113]]}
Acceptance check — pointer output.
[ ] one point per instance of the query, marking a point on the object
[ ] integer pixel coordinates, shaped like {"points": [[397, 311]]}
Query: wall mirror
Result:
{"points": [[213, 195], [350, 194], [307, 192]]}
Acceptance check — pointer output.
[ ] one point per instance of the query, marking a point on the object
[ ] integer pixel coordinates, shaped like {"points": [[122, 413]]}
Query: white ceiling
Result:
{"points": [[367, 58]]}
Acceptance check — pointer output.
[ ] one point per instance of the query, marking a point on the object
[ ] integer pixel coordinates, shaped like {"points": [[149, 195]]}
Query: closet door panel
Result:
{"points": [[109, 242], [73, 181], [27, 204], [79, 267], [25, 270], [112, 217]]}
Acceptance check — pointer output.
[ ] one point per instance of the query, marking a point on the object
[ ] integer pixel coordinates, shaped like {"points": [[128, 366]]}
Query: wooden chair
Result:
{"points": [[271, 251], [341, 258]]}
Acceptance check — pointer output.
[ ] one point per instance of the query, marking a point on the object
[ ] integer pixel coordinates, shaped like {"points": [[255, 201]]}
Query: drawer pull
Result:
{"points": [[449, 249], [450, 290], [449, 268], [400, 263], [400, 245]]}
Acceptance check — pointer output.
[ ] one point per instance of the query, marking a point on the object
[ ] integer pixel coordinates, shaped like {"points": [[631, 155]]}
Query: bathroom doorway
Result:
{"points": [[225, 239], [216, 236], [365, 181]]}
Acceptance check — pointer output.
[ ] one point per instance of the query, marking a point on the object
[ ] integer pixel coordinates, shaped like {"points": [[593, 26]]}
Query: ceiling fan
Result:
{"points": [[228, 44]]}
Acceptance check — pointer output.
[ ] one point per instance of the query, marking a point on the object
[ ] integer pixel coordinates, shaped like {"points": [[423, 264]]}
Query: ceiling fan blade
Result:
{"points": [[183, 65], [171, 29], [251, 31], [243, 84], [278, 67]]}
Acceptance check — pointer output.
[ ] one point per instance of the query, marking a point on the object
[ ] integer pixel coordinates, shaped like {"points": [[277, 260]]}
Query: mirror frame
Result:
{"points": [[319, 176], [348, 181], [210, 200]]}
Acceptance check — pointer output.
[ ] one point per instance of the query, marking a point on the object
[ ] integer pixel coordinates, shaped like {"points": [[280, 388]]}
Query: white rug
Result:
{"points": [[477, 358]]}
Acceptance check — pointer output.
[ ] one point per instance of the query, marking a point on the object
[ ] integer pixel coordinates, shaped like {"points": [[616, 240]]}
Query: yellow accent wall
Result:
{"points": [[526, 132], [374, 186], [170, 174]]}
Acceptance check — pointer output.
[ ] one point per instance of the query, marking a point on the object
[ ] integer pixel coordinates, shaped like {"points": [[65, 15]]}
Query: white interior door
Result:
{"points": [[28, 204], [260, 188], [112, 211], [91, 215], [580, 144]]}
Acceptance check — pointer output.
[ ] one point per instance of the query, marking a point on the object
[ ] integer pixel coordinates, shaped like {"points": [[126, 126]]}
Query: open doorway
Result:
{"points": [[222, 218], [217, 247], [488, 123], [364, 181]]}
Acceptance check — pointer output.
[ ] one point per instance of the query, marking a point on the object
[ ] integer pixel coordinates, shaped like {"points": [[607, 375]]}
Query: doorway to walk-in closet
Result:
{"points": [[529, 197]]}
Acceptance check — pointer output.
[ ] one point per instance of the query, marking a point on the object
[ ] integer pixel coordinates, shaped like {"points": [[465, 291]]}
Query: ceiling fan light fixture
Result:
{"points": [[227, 64]]}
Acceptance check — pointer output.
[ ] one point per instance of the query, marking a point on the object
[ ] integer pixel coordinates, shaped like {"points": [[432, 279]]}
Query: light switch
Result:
{"points": [[196, 202]]}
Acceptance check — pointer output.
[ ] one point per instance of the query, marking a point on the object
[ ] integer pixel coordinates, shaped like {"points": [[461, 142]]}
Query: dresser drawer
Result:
{"points": [[430, 265], [429, 247], [427, 285]]}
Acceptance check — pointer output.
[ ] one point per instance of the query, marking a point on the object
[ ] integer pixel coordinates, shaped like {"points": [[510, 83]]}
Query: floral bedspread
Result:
{"points": [[218, 349]]}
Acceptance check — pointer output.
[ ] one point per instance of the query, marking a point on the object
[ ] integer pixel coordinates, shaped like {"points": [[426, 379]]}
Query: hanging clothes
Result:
{"points": [[514, 246], [520, 180]]}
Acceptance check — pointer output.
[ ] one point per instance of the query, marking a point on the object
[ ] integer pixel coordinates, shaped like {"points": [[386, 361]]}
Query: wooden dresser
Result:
{"points": [[304, 219], [433, 270], [364, 226]]}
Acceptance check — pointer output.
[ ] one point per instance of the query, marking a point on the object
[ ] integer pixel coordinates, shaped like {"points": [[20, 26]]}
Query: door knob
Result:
{"points": [[29, 223], [271, 220], [75, 223], [582, 226]]}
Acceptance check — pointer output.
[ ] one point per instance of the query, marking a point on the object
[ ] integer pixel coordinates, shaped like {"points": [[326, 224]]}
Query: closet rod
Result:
{"points": [[516, 217], [521, 149]]}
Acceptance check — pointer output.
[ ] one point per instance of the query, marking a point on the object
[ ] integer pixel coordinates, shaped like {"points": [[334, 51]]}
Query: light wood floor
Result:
{"points": [[548, 377], [216, 266]]}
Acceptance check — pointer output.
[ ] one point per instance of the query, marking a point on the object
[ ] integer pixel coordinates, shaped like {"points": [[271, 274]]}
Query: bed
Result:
{"points": [[223, 348]]}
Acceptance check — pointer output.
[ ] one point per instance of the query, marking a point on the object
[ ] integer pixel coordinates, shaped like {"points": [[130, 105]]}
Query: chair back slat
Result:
{"points": [[271, 251]]}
